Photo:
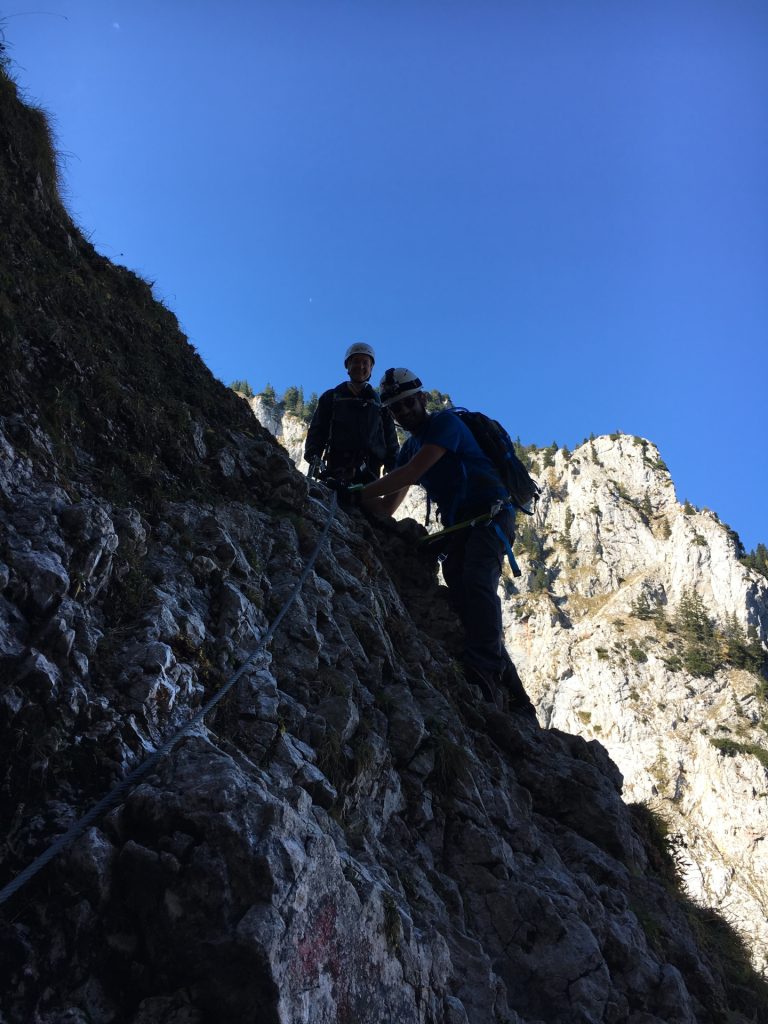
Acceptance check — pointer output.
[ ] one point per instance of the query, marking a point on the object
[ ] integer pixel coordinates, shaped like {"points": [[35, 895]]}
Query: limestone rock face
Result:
{"points": [[349, 836], [287, 428], [596, 646], [610, 541]]}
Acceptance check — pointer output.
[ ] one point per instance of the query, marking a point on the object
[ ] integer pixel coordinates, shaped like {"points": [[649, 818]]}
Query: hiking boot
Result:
{"points": [[518, 702], [484, 681], [526, 709]]}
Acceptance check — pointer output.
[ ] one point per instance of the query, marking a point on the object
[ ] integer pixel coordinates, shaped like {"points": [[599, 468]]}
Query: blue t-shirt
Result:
{"points": [[463, 483]]}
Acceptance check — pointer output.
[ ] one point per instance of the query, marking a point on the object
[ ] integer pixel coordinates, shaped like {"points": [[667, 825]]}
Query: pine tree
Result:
{"points": [[700, 647], [291, 399], [309, 407], [757, 559], [549, 455], [645, 509], [243, 387], [437, 401], [524, 454], [742, 650]]}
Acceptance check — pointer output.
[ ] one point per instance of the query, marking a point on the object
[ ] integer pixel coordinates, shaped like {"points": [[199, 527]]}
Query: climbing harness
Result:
{"points": [[355, 444], [510, 557], [487, 518], [113, 797]]}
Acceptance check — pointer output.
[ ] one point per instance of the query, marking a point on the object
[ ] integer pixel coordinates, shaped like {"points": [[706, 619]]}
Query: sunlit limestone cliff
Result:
{"points": [[350, 836], [638, 624]]}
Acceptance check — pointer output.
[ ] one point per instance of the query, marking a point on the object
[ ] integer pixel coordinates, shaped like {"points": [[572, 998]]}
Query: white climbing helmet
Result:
{"points": [[359, 348], [398, 383]]}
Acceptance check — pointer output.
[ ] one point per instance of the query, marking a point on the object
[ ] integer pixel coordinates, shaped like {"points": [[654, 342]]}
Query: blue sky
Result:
{"points": [[555, 211]]}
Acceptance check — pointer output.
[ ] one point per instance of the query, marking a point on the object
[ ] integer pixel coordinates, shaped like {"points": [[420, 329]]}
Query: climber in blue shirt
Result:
{"points": [[443, 456], [463, 482]]}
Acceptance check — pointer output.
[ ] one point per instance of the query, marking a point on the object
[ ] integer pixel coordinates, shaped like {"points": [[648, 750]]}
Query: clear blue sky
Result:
{"points": [[556, 211]]}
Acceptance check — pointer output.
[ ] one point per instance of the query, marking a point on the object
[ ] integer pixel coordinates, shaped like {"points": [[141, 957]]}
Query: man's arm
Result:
{"points": [[319, 427], [391, 445], [392, 488]]}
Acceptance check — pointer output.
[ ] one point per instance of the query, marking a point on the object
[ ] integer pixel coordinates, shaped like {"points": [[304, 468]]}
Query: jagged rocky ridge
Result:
{"points": [[350, 838]]}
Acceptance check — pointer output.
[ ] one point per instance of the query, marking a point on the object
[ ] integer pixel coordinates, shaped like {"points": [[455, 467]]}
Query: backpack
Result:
{"points": [[497, 445]]}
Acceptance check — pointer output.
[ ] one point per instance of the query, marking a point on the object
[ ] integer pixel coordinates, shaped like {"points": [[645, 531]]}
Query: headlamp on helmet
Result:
{"points": [[398, 383]]}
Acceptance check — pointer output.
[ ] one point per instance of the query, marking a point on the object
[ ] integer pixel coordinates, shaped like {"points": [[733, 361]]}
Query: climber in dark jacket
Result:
{"points": [[350, 431]]}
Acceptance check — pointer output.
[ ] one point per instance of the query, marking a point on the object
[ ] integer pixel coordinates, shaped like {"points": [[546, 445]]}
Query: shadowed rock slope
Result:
{"points": [[350, 838], [637, 622]]}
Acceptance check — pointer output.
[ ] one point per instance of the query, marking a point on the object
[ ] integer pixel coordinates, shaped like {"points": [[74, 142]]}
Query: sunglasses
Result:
{"points": [[403, 403]]}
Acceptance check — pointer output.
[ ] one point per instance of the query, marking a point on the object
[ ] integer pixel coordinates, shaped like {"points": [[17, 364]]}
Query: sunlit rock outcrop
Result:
{"points": [[600, 650]]}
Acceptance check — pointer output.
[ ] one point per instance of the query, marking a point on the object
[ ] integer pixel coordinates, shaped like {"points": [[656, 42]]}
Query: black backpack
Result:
{"points": [[497, 445]]}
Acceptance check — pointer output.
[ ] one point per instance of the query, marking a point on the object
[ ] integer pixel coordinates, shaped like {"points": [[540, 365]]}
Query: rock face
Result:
{"points": [[607, 561], [350, 836], [290, 430]]}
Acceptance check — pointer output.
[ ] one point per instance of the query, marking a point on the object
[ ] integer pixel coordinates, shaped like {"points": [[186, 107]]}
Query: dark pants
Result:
{"points": [[472, 568]]}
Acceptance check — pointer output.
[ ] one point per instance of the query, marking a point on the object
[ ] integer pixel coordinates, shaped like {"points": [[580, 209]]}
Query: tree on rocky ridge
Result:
{"points": [[269, 395], [243, 387], [757, 559]]}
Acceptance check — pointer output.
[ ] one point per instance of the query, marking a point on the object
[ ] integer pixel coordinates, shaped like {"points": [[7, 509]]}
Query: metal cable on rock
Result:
{"points": [[113, 797]]}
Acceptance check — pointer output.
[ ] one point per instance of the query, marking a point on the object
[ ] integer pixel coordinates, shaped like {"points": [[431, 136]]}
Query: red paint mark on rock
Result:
{"points": [[317, 947]]}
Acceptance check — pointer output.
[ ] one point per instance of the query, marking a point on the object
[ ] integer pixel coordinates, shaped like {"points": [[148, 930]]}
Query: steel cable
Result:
{"points": [[138, 773]]}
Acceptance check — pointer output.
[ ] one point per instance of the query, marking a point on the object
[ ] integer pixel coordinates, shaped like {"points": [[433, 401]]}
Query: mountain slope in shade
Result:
{"points": [[608, 561]]}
